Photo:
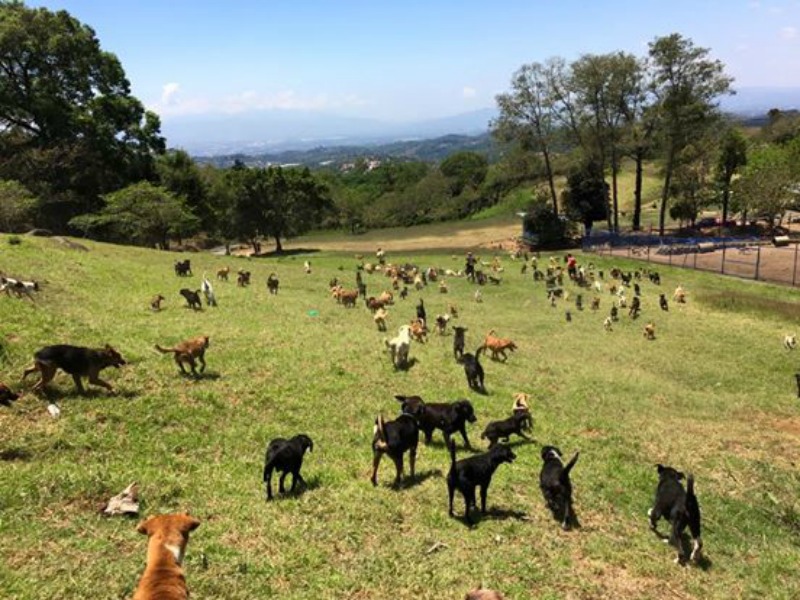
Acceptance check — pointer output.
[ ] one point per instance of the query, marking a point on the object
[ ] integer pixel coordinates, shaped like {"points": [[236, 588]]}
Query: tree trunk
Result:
{"points": [[665, 192], [614, 190], [726, 196], [256, 246], [278, 245], [637, 193], [227, 248], [548, 168]]}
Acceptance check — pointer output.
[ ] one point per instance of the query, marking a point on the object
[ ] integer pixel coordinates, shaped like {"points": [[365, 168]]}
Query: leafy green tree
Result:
{"points": [[548, 228], [585, 198], [277, 203], [142, 214], [179, 174], [732, 157], [17, 207], [465, 169], [766, 185], [691, 181], [686, 85], [527, 115], [70, 129]]}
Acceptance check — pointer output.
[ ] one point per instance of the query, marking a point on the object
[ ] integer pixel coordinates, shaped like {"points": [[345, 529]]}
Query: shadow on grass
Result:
{"points": [[495, 514], [285, 253], [311, 484], [55, 394], [211, 375], [419, 478], [408, 366]]}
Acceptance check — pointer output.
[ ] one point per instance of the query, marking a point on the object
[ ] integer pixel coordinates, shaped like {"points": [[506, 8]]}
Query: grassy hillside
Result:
{"points": [[713, 394]]}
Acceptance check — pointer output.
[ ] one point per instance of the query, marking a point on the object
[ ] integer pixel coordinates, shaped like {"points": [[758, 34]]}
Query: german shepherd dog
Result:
{"points": [[75, 360]]}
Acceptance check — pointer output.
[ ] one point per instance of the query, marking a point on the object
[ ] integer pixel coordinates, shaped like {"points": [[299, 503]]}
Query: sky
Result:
{"points": [[405, 60]]}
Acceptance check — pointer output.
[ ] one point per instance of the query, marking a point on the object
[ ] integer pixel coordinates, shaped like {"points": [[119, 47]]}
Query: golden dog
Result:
{"points": [[163, 576]]}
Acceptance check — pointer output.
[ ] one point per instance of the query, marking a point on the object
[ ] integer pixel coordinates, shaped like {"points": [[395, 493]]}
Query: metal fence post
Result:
{"points": [[758, 261], [794, 270], [724, 247]]}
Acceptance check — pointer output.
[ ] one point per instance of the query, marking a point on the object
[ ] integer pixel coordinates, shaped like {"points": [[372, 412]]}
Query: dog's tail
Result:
{"points": [[165, 350], [568, 468], [478, 352], [452, 447]]}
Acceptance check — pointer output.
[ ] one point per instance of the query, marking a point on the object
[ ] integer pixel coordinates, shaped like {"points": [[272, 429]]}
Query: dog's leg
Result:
{"points": [[79, 383], [94, 379], [297, 478], [466, 439], [34, 367], [48, 372], [450, 492], [484, 490], [376, 461], [202, 360], [192, 364], [469, 502], [268, 481], [281, 486], [398, 466], [412, 460]]}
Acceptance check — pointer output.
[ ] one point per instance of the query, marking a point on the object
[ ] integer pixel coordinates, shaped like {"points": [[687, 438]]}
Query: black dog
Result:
{"points": [[183, 268], [286, 456], [516, 423], [272, 283], [797, 379], [655, 278], [458, 341], [476, 471], [662, 302], [421, 311], [449, 417], [636, 306], [473, 370], [679, 507], [6, 395], [556, 486], [192, 298], [395, 438]]}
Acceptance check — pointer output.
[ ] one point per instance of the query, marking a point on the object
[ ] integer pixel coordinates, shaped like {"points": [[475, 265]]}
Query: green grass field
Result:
{"points": [[714, 394]]}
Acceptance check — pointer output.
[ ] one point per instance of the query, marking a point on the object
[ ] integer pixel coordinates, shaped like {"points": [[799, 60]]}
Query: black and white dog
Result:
{"points": [[679, 507]]}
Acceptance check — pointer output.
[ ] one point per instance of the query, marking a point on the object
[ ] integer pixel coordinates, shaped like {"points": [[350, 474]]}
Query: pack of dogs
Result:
{"points": [[471, 477]]}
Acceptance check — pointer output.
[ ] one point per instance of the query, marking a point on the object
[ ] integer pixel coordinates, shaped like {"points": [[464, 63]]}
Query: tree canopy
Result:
{"points": [[70, 129]]}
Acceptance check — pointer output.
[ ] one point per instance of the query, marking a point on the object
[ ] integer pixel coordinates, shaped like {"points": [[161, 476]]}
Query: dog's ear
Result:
{"points": [[661, 468], [189, 523], [400, 398], [144, 527], [679, 475]]}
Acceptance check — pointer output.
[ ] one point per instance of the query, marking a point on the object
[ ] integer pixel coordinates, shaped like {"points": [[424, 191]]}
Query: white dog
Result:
{"points": [[208, 291], [307, 267], [608, 324], [790, 341], [20, 288], [399, 346]]}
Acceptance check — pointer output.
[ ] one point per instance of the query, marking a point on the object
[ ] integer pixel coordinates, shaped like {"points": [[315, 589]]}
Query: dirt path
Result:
{"points": [[433, 237]]}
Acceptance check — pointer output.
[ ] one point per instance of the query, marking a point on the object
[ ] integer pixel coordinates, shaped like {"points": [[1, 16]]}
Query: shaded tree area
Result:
{"points": [[70, 130]]}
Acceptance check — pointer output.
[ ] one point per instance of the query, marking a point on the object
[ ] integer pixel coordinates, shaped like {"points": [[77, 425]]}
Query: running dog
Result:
{"points": [[163, 577], [679, 507], [187, 351], [77, 361], [476, 471]]}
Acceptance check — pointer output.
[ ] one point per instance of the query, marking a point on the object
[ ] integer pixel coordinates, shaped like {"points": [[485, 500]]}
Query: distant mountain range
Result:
{"points": [[274, 132]]}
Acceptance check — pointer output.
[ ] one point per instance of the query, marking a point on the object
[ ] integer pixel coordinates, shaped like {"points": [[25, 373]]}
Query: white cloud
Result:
{"points": [[172, 104], [789, 33], [168, 92], [469, 92]]}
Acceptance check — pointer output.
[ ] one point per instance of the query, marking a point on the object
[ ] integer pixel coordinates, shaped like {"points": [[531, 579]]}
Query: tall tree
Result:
{"points": [[607, 86], [585, 198], [732, 157], [464, 169], [178, 173], [17, 206], [527, 116], [766, 184], [687, 84], [70, 129]]}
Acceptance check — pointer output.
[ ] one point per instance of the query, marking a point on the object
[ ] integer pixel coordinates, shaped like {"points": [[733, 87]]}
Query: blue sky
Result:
{"points": [[408, 59]]}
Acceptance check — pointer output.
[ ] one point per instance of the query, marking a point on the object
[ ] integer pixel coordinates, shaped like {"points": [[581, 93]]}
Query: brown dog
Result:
{"points": [[75, 360], [155, 303], [498, 346], [222, 274], [187, 351], [163, 576]]}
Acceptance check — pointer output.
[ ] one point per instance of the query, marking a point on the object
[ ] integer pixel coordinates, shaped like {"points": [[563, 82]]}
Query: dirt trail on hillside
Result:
{"points": [[490, 236]]}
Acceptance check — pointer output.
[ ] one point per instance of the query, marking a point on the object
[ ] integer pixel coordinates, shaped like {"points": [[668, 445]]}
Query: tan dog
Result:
{"points": [[419, 331], [187, 351], [380, 318], [163, 576], [521, 401], [679, 295], [498, 346], [222, 274], [483, 594], [649, 331]]}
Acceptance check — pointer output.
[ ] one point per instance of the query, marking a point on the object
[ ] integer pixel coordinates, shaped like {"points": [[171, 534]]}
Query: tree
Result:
{"points": [[465, 169], [607, 88], [732, 157], [527, 116], [278, 203], [69, 128], [765, 186], [179, 174], [585, 198], [548, 228], [142, 214], [686, 84], [691, 182], [17, 206]]}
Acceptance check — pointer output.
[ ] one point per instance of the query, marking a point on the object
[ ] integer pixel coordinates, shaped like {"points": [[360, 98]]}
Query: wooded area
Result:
{"points": [[79, 154]]}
